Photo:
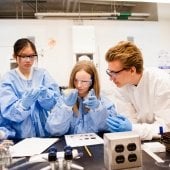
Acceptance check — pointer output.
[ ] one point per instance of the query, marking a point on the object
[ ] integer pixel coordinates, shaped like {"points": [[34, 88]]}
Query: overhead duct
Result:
{"points": [[102, 16]]}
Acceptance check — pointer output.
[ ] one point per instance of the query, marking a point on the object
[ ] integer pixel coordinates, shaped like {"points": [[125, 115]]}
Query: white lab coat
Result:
{"points": [[148, 103]]}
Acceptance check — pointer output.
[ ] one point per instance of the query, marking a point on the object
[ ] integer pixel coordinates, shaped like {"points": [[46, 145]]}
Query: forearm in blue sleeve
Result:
{"points": [[15, 112], [50, 99], [100, 114], [58, 122]]}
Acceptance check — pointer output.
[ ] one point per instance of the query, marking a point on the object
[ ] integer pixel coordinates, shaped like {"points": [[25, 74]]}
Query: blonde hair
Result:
{"points": [[128, 54]]}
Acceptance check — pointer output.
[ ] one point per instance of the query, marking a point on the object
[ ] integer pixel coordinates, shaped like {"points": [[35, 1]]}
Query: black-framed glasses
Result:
{"points": [[25, 57], [114, 73]]}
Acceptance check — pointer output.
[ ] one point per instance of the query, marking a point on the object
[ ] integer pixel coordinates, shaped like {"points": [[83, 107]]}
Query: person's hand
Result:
{"points": [[30, 97], [2, 135], [91, 101], [119, 123], [43, 92], [71, 98]]}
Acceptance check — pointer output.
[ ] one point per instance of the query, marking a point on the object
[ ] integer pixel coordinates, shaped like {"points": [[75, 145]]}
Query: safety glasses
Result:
{"points": [[26, 57], [114, 73], [83, 82]]}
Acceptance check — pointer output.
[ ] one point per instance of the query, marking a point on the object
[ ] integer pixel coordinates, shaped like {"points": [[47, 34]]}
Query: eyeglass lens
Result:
{"points": [[25, 57], [83, 82]]}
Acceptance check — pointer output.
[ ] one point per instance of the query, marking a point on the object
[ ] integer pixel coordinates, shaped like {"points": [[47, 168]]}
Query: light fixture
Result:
{"points": [[116, 16]]}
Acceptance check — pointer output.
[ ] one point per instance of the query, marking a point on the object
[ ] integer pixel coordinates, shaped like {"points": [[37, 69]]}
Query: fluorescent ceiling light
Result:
{"points": [[117, 15]]}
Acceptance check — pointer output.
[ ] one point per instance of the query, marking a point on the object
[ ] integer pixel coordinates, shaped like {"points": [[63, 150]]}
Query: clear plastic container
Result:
{"points": [[163, 165]]}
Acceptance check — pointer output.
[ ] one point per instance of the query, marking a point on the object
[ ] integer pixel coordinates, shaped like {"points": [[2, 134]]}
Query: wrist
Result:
{"points": [[2, 135], [24, 107], [67, 107], [97, 107]]}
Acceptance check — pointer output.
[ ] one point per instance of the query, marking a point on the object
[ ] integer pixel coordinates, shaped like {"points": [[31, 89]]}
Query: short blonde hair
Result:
{"points": [[128, 54]]}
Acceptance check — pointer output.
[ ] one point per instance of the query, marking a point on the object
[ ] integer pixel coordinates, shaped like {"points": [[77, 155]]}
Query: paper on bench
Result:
{"points": [[31, 146], [83, 139]]}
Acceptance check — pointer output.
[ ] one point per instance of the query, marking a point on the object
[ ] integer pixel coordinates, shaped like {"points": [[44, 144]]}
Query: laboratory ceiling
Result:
{"points": [[78, 9]]}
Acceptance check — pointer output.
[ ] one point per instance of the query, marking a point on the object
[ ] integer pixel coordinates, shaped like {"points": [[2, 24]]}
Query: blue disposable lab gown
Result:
{"points": [[31, 122], [7, 130], [62, 120]]}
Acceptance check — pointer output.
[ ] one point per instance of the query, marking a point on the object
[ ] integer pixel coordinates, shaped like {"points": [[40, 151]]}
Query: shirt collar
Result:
{"points": [[22, 76]]}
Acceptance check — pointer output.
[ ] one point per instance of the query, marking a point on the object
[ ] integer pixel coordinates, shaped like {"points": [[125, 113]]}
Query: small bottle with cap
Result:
{"points": [[161, 133], [68, 156], [52, 158]]}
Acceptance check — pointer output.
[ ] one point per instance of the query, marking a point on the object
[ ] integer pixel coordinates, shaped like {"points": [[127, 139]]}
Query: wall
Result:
{"points": [[53, 39]]}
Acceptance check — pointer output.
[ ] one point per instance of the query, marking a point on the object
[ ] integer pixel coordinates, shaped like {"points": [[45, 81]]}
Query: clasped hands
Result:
{"points": [[90, 101], [30, 96]]}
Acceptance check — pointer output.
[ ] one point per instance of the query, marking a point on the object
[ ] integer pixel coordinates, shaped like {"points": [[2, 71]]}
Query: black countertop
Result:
{"points": [[95, 162]]}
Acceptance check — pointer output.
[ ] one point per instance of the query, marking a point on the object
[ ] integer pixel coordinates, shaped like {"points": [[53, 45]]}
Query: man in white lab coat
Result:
{"points": [[146, 91]]}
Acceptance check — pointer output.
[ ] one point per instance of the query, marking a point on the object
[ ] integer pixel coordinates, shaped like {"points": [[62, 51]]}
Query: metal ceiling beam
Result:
{"points": [[68, 5], [75, 5], [27, 8]]}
